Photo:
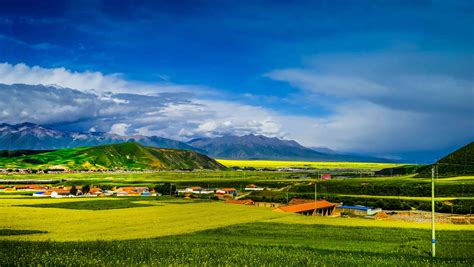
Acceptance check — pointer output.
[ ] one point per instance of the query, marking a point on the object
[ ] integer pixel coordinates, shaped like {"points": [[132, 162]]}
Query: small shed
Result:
{"points": [[358, 210]]}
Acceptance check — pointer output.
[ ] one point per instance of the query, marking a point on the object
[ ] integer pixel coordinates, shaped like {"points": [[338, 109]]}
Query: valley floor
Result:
{"points": [[137, 231]]}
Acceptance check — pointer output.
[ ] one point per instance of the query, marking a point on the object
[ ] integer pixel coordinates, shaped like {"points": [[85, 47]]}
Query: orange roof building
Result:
{"points": [[314, 208]]}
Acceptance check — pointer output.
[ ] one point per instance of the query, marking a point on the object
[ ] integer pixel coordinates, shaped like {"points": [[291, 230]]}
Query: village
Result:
{"points": [[308, 207]]}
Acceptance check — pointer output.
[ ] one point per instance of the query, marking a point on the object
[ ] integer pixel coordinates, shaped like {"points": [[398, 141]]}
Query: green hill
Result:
{"points": [[132, 156], [458, 163]]}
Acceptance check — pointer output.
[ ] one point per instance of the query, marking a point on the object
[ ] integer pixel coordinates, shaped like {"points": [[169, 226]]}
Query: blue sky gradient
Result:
{"points": [[312, 62]]}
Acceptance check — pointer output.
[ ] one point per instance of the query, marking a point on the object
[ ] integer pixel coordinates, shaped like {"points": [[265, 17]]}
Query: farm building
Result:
{"points": [[195, 190], [227, 191], [253, 187], [314, 208], [357, 210]]}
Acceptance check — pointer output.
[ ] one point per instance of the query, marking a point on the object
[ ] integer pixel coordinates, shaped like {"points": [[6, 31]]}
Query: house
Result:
{"points": [[130, 190], [313, 208], [194, 189], [226, 191], [242, 202], [253, 187], [358, 210], [57, 192], [21, 187], [41, 194], [35, 187]]}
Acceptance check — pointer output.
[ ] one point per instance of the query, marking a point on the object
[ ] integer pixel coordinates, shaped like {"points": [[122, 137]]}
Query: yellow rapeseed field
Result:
{"points": [[306, 164], [161, 219], [119, 224]]}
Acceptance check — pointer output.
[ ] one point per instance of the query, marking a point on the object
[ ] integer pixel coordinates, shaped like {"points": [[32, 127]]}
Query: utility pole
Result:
{"points": [[433, 237], [315, 188]]}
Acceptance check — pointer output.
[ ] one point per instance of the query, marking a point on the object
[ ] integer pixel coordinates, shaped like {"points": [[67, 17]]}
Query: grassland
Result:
{"points": [[274, 164], [211, 233]]}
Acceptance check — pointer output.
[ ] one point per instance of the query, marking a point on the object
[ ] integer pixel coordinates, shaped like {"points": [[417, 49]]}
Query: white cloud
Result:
{"points": [[119, 128], [85, 81]]}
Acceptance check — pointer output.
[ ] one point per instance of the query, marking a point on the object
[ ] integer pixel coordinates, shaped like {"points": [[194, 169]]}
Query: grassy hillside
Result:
{"points": [[458, 163], [124, 156]]}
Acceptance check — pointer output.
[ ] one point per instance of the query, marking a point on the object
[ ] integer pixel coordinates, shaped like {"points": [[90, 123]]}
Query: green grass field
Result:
{"points": [[211, 233]]}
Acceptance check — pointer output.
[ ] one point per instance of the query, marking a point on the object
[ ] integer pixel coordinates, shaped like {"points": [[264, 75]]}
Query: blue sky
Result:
{"points": [[367, 76]]}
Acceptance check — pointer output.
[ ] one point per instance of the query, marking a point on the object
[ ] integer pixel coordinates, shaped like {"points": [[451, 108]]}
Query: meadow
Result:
{"points": [[172, 232]]}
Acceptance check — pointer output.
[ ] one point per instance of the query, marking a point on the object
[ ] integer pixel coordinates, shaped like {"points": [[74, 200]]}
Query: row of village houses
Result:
{"points": [[65, 191]]}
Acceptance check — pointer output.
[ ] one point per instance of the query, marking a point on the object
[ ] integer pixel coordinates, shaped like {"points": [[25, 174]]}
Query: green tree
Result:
{"points": [[165, 189], [73, 190], [86, 188]]}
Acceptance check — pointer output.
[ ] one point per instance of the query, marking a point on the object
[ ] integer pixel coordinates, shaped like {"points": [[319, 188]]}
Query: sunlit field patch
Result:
{"points": [[167, 218], [306, 164]]}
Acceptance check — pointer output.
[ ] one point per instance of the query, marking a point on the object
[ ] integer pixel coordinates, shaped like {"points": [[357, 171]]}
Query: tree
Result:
{"points": [[73, 190], [165, 189], [86, 188]]}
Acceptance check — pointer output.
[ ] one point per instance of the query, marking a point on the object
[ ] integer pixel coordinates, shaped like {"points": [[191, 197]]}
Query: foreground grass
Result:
{"points": [[100, 204], [156, 218], [256, 244], [133, 218]]}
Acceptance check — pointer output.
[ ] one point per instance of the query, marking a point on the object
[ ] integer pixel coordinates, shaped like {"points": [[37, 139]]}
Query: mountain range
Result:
{"points": [[29, 136], [258, 147]]}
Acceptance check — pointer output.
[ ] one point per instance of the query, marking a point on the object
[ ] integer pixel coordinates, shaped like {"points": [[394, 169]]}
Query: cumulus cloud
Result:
{"points": [[119, 128], [94, 81]]}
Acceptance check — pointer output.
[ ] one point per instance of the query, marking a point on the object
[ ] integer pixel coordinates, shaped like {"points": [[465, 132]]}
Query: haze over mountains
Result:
{"points": [[29, 136]]}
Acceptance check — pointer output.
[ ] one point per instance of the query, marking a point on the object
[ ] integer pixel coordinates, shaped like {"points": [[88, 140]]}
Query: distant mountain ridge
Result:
{"points": [[29, 136], [262, 147], [130, 156]]}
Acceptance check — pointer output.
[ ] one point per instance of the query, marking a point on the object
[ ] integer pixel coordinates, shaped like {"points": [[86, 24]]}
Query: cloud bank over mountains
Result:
{"points": [[372, 107], [109, 103]]}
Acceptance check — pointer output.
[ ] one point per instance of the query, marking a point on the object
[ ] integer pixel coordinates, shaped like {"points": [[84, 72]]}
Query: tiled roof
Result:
{"points": [[320, 204]]}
